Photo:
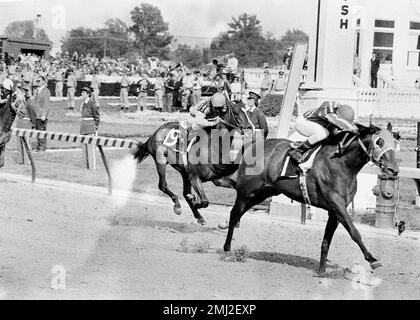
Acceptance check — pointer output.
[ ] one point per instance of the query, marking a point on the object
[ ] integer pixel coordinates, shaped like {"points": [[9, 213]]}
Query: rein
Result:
{"points": [[231, 116]]}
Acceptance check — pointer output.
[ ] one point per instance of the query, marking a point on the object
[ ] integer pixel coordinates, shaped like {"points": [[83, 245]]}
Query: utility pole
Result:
{"points": [[105, 45]]}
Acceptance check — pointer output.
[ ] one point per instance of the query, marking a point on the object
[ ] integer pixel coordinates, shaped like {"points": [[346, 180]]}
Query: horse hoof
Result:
{"points": [[321, 272], [201, 221], [226, 249], [224, 225], [177, 209], [375, 265]]}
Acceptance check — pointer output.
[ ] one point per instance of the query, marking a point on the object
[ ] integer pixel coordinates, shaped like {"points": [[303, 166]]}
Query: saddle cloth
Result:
{"points": [[176, 139], [292, 169]]}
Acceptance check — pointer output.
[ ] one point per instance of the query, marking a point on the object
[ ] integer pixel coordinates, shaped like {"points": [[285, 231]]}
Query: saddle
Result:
{"points": [[292, 169]]}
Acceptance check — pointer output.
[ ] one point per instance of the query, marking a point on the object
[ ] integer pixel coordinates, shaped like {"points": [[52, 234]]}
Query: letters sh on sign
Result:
{"points": [[344, 12]]}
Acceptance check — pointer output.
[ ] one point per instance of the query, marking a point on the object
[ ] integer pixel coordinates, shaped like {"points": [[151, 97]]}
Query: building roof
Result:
{"points": [[26, 41]]}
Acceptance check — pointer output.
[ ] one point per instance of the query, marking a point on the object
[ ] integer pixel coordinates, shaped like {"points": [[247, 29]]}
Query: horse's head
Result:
{"points": [[381, 147], [236, 116]]}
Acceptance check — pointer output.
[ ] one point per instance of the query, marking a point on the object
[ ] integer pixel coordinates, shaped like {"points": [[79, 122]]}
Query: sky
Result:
{"points": [[200, 20]]}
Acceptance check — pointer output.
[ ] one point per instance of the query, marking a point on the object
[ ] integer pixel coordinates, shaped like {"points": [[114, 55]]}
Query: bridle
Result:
{"points": [[232, 116]]}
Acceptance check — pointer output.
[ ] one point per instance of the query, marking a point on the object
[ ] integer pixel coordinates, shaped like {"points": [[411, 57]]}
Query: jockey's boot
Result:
{"points": [[297, 154]]}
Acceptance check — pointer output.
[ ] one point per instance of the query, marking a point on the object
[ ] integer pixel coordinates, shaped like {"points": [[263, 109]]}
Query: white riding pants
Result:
{"points": [[314, 131]]}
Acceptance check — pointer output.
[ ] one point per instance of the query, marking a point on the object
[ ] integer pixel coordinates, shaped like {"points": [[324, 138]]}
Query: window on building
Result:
{"points": [[384, 24], [413, 56], [383, 40]]}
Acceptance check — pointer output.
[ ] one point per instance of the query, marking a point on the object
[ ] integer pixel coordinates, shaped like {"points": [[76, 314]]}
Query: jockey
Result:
{"points": [[208, 114], [317, 124]]}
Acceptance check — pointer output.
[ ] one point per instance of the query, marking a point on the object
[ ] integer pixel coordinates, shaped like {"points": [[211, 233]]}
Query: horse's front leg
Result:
{"points": [[340, 210], [332, 225]]}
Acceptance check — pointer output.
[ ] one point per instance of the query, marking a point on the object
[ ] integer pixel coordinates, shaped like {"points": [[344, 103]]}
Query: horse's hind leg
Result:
{"points": [[344, 218], [241, 206], [198, 187], [163, 186], [188, 195], [332, 225]]}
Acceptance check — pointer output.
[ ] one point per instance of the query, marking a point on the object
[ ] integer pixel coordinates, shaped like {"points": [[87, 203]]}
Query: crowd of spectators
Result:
{"points": [[175, 86]]}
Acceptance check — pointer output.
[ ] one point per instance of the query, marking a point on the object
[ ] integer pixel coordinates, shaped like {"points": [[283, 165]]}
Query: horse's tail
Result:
{"points": [[141, 151]]}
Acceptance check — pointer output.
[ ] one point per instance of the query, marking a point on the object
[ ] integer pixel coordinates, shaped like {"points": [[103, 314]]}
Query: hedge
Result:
{"points": [[271, 105]]}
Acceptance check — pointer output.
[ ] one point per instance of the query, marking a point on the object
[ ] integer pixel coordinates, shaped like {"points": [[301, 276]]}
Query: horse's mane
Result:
{"points": [[363, 132]]}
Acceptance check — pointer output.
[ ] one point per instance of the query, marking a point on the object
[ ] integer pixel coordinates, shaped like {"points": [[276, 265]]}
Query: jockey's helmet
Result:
{"points": [[218, 100], [346, 112]]}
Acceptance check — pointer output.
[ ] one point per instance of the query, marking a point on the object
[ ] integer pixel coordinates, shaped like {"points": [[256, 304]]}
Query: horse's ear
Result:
{"points": [[370, 119], [389, 127]]}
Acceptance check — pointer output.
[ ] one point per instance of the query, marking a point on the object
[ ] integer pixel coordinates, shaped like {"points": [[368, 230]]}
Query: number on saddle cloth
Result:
{"points": [[177, 140]]}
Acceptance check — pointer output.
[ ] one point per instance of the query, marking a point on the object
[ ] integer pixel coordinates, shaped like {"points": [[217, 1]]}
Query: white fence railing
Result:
{"points": [[388, 103], [254, 76]]}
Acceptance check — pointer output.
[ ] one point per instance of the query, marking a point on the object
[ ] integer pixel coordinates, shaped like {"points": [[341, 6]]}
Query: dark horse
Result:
{"points": [[331, 182], [193, 174], [7, 116]]}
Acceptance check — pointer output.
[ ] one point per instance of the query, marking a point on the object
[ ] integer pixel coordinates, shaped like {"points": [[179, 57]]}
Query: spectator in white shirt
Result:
{"points": [[236, 89]]}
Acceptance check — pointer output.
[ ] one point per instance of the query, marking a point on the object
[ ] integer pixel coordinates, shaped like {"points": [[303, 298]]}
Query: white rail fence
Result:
{"points": [[389, 103], [254, 76]]}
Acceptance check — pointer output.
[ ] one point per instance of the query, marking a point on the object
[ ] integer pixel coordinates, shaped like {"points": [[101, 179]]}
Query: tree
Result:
{"points": [[113, 40], [246, 39], [84, 41], [25, 29], [118, 41], [151, 32], [291, 37], [188, 56]]}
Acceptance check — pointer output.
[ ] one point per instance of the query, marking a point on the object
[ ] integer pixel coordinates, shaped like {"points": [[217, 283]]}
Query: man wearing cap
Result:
{"points": [[95, 85], [26, 117], [71, 88], [159, 87], [287, 58], [169, 92], [196, 88], [279, 85], [266, 83], [89, 125], [124, 92], [142, 87], [42, 109], [187, 84], [256, 116], [58, 76]]}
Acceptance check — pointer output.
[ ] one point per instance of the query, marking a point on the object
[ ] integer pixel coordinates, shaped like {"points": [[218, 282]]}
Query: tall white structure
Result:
{"points": [[331, 54]]}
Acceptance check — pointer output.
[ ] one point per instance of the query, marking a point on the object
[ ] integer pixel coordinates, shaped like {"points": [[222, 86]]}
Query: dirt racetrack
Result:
{"points": [[137, 251]]}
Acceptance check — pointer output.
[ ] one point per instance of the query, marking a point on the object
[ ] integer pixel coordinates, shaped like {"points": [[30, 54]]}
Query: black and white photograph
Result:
{"points": [[220, 152]]}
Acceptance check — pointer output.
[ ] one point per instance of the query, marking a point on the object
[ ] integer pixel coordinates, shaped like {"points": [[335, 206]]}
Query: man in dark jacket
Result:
{"points": [[256, 116], [42, 109], [89, 125], [374, 67]]}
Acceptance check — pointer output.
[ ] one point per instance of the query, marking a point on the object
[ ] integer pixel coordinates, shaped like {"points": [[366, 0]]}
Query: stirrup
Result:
{"points": [[295, 145]]}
